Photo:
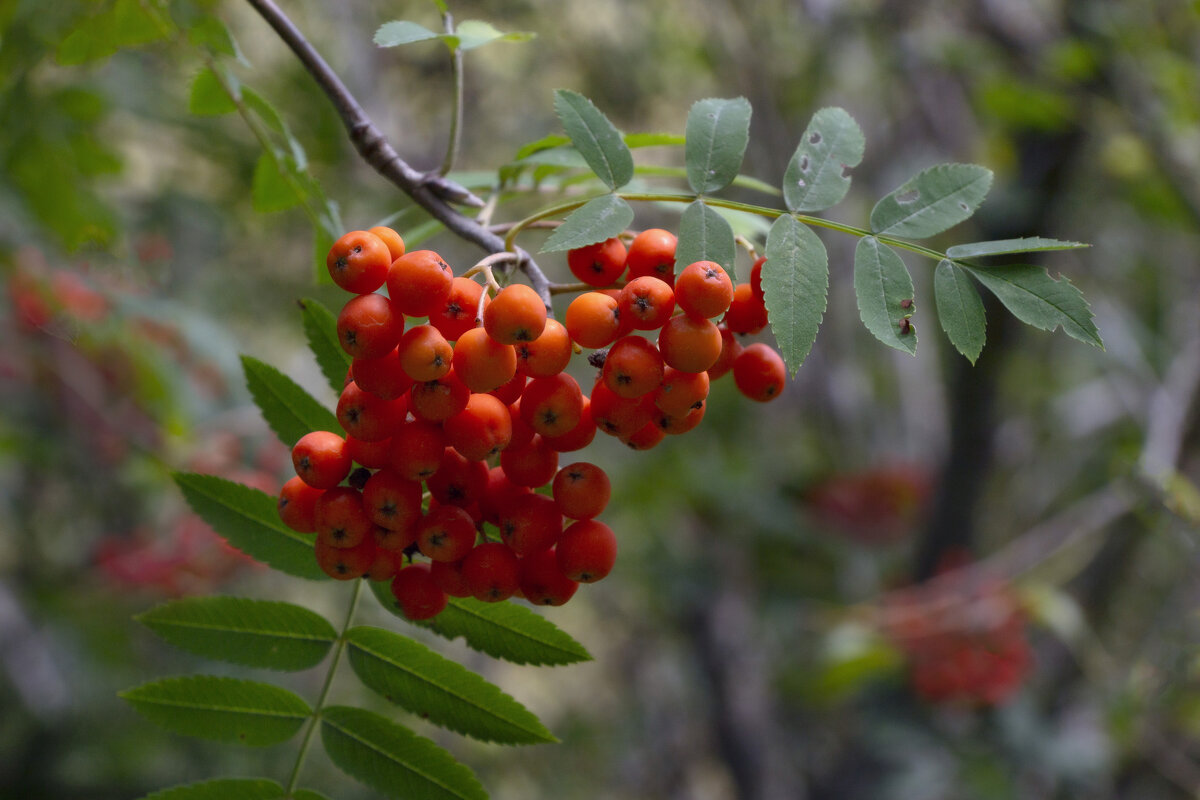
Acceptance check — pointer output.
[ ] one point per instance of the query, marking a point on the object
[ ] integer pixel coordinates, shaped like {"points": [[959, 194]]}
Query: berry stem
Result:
{"points": [[315, 719]]}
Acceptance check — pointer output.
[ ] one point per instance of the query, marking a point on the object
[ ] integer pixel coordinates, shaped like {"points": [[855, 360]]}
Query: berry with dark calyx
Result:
{"points": [[456, 315], [633, 367], [516, 314], [320, 459], [345, 563], [548, 354], [491, 572], [531, 522], [358, 262], [500, 491], [298, 505], [341, 519], [532, 465], [419, 283], [367, 417], [689, 344], [458, 481], [586, 551], [542, 582], [552, 406], [482, 363], [448, 575], [397, 541], [417, 593], [368, 326], [619, 416], [446, 533], [424, 353], [581, 490], [652, 253], [511, 391], [759, 372], [646, 303], [416, 449], [593, 320], [392, 501], [679, 392], [480, 430], [703, 289], [578, 437], [438, 400], [675, 424], [598, 264]]}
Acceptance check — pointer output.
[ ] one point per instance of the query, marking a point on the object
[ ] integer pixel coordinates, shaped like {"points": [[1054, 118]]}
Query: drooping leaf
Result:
{"points": [[392, 759], [222, 789], [416, 678], [208, 96], [882, 284], [816, 177], [257, 633], [960, 311], [398, 32], [595, 138], [320, 329], [932, 201], [716, 137], [270, 190], [704, 235], [225, 709], [502, 630], [286, 406], [1039, 300], [472, 33], [1032, 244], [795, 281], [249, 520], [599, 219]]}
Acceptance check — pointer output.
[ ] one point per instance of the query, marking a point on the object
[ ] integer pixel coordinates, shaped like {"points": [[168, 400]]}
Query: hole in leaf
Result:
{"points": [[801, 183], [963, 206], [804, 164], [846, 170], [815, 138], [911, 196]]}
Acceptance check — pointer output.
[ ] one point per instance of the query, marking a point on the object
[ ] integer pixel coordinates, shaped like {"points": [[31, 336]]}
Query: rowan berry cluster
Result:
{"points": [[458, 419]]}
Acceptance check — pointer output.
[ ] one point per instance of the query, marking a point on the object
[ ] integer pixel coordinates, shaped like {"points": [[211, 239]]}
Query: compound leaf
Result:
{"points": [[882, 283], [222, 789], [392, 759], [816, 176], [257, 633], [416, 678], [286, 406], [597, 140], [960, 311], [225, 709], [249, 520], [596, 220], [716, 137], [704, 235], [932, 201], [1039, 300], [502, 630], [795, 281]]}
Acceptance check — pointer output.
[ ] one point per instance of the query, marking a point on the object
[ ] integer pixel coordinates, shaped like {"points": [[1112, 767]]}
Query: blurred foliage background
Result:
{"points": [[756, 639]]}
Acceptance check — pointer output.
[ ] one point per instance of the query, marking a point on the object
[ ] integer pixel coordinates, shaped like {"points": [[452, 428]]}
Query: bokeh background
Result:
{"points": [[761, 636]]}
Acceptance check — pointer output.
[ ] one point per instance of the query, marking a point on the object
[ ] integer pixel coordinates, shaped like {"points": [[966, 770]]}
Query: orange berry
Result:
{"points": [[632, 367], [586, 551], [446, 533], [482, 363], [416, 592], [368, 326], [320, 459], [679, 391], [395, 244], [498, 493], [731, 348], [548, 354], [581, 490], [491, 571], [704, 289], [510, 391], [392, 501], [646, 303], [598, 264], [480, 430], [438, 400], [424, 353], [542, 582], [552, 406], [345, 563], [341, 519], [578, 437], [644, 438], [675, 424], [746, 313], [532, 465], [459, 481], [382, 377], [456, 315], [531, 522], [367, 417], [756, 278], [297, 505], [759, 372], [619, 416], [593, 319], [416, 449], [689, 344], [516, 314], [652, 253], [358, 262], [419, 283]]}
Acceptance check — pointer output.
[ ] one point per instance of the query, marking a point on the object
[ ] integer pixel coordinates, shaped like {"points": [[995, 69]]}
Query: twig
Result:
{"points": [[456, 70], [429, 190]]}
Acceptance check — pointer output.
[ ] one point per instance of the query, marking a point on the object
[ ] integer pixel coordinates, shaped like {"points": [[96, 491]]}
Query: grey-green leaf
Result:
{"points": [[502, 630], [704, 235], [595, 138], [287, 407], [1032, 244], [225, 709], [398, 32], [416, 678], [208, 97], [816, 176], [882, 284], [716, 137], [932, 201], [960, 311], [257, 633], [1039, 300], [320, 329], [596, 220], [270, 191], [249, 520], [392, 759], [795, 281], [472, 33], [222, 789]]}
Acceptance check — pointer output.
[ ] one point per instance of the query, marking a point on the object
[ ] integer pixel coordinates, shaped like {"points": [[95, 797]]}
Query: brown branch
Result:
{"points": [[430, 190]]}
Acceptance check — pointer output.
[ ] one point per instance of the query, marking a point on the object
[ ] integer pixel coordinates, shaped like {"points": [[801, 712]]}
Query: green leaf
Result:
{"points": [[210, 33], [1039, 300], [960, 311], [595, 138], [502, 630], [249, 520], [392, 759], [882, 283], [795, 281], [1033, 244], [208, 96], [320, 329], [126, 23], [288, 409], [816, 176], [307, 794], [257, 633], [704, 235], [225, 709], [222, 789], [717, 134], [416, 678], [474, 33], [398, 32], [555, 157], [634, 140], [932, 201], [599, 219], [270, 190], [545, 143]]}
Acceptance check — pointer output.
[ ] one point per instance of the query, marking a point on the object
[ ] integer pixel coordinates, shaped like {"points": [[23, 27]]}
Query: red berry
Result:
{"points": [[586, 551], [417, 593]]}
